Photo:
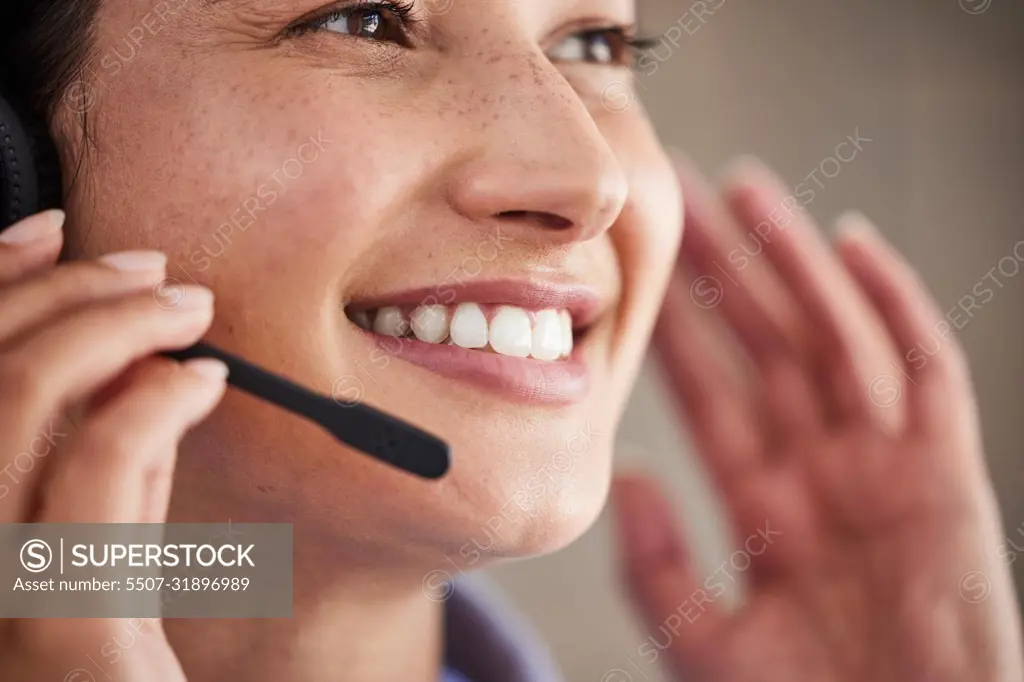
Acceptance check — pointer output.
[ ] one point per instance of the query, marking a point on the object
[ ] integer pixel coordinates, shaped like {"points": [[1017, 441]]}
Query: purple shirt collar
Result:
{"points": [[487, 640]]}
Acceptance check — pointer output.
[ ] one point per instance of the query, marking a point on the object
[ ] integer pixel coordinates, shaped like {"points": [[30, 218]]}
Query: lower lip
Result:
{"points": [[534, 381]]}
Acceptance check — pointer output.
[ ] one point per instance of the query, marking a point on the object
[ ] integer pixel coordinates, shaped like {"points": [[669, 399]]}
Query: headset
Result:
{"points": [[30, 179], [30, 182]]}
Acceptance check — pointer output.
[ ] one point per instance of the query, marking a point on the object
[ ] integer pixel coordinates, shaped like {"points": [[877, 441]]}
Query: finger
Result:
{"points": [[852, 347], [31, 245], [709, 226], [939, 386], [719, 415], [660, 574], [66, 360], [773, 339], [119, 468], [65, 288]]}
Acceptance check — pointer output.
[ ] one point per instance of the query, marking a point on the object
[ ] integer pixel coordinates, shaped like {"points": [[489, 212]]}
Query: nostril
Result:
{"points": [[548, 221]]}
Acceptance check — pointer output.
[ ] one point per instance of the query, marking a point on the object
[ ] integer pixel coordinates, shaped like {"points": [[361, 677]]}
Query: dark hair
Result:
{"points": [[45, 45]]}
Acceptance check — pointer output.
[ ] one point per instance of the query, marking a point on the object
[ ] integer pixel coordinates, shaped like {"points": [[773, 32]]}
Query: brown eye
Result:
{"points": [[594, 47], [374, 24]]}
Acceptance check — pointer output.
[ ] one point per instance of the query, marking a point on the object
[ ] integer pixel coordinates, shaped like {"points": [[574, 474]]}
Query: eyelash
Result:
{"points": [[405, 13]]}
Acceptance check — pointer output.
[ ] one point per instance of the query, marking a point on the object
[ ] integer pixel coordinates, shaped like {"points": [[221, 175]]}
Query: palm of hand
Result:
{"points": [[863, 506], [862, 567]]}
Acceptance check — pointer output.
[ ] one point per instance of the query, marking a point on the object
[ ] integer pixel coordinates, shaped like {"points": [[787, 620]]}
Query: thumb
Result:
{"points": [[659, 573]]}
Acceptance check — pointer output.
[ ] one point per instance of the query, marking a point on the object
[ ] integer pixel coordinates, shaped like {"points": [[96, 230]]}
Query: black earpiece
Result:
{"points": [[30, 182], [30, 179]]}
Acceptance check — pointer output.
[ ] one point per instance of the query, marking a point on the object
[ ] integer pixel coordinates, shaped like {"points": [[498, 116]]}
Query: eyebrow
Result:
{"points": [[257, 3], [217, 3]]}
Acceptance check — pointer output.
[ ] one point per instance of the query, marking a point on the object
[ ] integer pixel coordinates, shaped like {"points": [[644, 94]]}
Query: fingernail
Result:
{"points": [[34, 228], [677, 156], [208, 368], [135, 261], [194, 297], [744, 166], [854, 224]]}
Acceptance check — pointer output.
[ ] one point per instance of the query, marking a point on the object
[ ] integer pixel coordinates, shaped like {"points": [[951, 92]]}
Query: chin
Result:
{"points": [[541, 511]]}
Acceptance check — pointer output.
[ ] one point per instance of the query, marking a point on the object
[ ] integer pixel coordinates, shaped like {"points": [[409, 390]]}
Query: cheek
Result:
{"points": [[651, 227], [238, 200], [646, 237]]}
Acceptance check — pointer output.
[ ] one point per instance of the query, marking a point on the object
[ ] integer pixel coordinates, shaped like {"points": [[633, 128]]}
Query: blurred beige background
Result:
{"points": [[938, 86]]}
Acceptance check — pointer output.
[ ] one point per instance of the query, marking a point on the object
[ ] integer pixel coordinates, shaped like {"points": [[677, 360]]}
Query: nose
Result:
{"points": [[533, 157]]}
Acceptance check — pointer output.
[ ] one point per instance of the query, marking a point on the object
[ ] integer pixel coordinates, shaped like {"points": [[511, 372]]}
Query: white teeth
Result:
{"points": [[391, 322], [362, 318], [511, 333], [545, 335], [430, 323], [566, 333], [469, 326], [548, 343]]}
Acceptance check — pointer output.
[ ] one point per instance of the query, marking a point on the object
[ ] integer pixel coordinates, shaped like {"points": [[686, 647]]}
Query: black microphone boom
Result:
{"points": [[357, 424]]}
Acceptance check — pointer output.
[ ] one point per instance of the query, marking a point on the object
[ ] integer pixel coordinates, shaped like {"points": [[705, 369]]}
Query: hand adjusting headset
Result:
{"points": [[30, 182]]}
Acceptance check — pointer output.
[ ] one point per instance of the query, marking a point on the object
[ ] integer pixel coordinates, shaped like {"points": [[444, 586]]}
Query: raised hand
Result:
{"points": [[82, 336], [849, 458]]}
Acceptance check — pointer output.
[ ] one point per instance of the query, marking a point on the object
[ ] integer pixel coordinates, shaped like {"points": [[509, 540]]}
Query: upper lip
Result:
{"points": [[584, 303]]}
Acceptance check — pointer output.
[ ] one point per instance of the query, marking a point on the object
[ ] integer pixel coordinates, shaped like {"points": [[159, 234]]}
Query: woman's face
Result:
{"points": [[475, 152]]}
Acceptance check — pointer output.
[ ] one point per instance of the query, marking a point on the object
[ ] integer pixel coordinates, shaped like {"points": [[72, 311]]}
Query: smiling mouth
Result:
{"points": [[526, 338]]}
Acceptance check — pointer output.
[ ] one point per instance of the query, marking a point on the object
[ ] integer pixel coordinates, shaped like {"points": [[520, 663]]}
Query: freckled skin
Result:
{"points": [[209, 110]]}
